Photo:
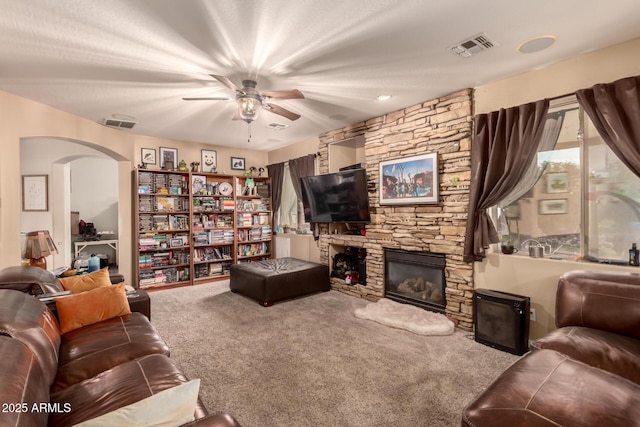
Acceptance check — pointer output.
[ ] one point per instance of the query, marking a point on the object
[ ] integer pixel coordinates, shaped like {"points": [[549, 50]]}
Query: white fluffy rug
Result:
{"points": [[405, 316]]}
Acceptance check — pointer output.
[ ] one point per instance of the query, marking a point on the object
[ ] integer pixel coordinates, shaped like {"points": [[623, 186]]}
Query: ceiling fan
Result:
{"points": [[250, 100]]}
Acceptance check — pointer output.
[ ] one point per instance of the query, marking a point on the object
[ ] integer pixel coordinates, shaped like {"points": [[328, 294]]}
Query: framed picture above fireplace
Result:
{"points": [[409, 181]]}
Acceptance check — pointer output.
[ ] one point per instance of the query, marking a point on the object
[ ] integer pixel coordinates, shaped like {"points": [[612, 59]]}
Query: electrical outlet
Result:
{"points": [[532, 314]]}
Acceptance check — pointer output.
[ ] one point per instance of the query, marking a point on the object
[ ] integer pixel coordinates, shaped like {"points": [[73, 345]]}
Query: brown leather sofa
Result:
{"points": [[585, 373], [49, 379]]}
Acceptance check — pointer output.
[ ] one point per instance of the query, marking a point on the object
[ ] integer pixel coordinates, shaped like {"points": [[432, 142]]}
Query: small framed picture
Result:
{"points": [[557, 182], [209, 161], [177, 242], [553, 206], [35, 193], [237, 163], [169, 155], [148, 156]]}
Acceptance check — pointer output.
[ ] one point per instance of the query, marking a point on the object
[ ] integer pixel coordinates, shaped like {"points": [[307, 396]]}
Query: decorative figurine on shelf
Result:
{"points": [[252, 171], [261, 171], [194, 166], [142, 166], [182, 166]]}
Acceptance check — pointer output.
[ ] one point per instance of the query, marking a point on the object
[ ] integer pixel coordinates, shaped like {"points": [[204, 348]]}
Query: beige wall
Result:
{"points": [[537, 278], [23, 118], [309, 146]]}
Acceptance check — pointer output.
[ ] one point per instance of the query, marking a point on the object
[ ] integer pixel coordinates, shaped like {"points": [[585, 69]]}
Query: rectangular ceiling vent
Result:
{"points": [[125, 124], [473, 45], [276, 126]]}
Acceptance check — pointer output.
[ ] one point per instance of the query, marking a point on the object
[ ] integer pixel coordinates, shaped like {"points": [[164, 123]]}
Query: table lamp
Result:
{"points": [[39, 245]]}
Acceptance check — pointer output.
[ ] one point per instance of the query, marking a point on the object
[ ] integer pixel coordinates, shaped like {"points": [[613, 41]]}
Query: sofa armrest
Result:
{"points": [[28, 279], [609, 301]]}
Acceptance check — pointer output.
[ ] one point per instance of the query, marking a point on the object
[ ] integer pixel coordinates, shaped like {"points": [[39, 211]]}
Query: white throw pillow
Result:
{"points": [[168, 408]]}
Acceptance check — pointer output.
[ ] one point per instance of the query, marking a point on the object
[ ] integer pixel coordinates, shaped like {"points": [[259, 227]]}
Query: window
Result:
{"points": [[291, 210], [585, 201]]}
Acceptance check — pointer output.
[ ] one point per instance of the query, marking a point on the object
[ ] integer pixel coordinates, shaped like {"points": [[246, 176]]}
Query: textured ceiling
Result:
{"points": [[141, 57]]}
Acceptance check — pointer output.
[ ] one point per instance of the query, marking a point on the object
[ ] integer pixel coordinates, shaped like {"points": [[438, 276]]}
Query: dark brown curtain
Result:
{"points": [[505, 142], [276, 172], [614, 109], [301, 167]]}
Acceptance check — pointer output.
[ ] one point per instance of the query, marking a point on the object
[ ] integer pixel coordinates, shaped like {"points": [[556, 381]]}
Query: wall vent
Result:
{"points": [[125, 124], [473, 45]]}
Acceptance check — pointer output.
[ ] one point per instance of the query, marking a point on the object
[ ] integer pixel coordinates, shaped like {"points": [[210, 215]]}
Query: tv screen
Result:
{"points": [[336, 197]]}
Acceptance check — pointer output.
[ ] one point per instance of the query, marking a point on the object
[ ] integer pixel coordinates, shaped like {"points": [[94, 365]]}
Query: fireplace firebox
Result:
{"points": [[416, 278]]}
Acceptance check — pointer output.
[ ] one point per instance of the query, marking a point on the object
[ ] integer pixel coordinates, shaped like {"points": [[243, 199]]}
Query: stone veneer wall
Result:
{"points": [[441, 125]]}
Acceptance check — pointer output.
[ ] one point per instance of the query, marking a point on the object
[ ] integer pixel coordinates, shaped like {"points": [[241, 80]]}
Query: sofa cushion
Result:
{"points": [[22, 385], [547, 388], [618, 354], [86, 282], [27, 319], [168, 408], [92, 306], [120, 386], [95, 348]]}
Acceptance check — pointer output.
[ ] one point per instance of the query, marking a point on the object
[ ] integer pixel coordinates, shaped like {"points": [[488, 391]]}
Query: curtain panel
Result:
{"points": [[301, 167], [276, 172], [614, 109], [505, 143]]}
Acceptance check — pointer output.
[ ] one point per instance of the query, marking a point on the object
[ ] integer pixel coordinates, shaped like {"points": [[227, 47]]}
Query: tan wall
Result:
{"points": [[537, 278], [309, 146], [23, 118]]}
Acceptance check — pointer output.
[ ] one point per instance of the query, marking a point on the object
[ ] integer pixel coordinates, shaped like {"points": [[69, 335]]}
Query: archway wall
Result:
{"points": [[22, 118]]}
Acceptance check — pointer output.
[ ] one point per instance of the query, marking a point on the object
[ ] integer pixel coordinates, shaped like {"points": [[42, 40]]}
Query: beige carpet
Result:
{"points": [[311, 362]]}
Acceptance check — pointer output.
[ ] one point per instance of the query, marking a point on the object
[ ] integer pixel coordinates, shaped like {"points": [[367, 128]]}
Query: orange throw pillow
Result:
{"points": [[87, 308], [86, 282]]}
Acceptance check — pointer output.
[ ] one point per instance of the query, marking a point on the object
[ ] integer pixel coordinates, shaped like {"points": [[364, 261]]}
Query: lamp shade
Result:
{"points": [[39, 244]]}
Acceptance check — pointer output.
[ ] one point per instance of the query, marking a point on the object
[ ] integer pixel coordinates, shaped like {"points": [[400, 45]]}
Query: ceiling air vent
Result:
{"points": [[276, 126], [125, 124], [473, 45]]}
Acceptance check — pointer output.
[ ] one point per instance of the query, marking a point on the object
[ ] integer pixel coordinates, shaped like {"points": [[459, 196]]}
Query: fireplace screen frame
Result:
{"points": [[421, 259]]}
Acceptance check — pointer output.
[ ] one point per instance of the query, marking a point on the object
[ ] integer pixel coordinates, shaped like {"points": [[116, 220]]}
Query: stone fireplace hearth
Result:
{"points": [[442, 125]]}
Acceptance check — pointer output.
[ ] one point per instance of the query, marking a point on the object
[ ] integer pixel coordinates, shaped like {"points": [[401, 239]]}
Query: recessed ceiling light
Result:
{"points": [[536, 44], [383, 97]]}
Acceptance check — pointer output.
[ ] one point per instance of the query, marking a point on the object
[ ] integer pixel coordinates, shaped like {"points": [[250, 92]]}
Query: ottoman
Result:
{"points": [[272, 280]]}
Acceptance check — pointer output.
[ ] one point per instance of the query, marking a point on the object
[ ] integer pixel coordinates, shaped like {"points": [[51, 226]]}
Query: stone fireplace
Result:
{"points": [[444, 126], [416, 278]]}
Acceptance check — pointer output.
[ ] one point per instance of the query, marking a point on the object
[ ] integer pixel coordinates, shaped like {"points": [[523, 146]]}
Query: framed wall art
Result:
{"points": [[553, 206], [148, 156], [35, 193], [168, 158], [557, 182], [209, 161], [409, 181], [237, 163]]}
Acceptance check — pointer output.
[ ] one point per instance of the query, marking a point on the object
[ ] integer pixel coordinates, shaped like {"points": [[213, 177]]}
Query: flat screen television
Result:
{"points": [[340, 197]]}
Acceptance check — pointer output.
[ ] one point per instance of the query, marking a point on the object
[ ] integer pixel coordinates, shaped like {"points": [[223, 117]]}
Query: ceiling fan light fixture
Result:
{"points": [[248, 107]]}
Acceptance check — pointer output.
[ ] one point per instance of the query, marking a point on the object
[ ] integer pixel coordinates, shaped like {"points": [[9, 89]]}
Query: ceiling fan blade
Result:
{"points": [[225, 81], [218, 98], [281, 111], [284, 94]]}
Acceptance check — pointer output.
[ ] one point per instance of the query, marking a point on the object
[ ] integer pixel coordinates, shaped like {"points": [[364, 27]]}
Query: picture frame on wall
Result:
{"points": [[168, 158], [209, 161], [553, 206], [148, 156], [35, 193], [557, 182], [238, 163], [409, 181]]}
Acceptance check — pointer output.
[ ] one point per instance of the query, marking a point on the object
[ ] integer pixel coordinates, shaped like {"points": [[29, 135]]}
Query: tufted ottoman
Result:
{"points": [[272, 280]]}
